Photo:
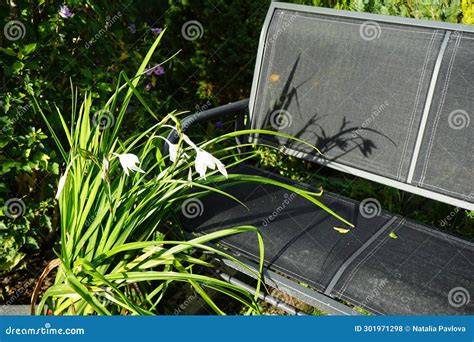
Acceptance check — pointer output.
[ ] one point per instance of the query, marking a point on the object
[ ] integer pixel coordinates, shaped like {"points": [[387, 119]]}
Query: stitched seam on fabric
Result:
{"points": [[407, 223], [441, 235], [448, 191], [295, 275], [374, 250], [418, 96], [440, 108], [357, 301], [267, 73], [361, 22], [438, 116], [363, 247], [356, 163]]}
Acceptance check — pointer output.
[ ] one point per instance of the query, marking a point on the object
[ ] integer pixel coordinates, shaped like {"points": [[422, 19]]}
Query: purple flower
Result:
{"points": [[156, 70], [65, 12], [159, 70], [156, 30], [151, 71], [148, 86], [132, 28], [219, 124]]}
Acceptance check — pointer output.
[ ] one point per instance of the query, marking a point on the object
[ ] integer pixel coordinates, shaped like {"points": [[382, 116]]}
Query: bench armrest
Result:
{"points": [[207, 115]]}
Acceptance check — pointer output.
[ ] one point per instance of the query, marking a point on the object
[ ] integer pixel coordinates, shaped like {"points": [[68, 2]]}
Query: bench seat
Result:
{"points": [[423, 271]]}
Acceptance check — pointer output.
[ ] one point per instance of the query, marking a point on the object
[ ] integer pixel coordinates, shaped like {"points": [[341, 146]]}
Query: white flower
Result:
{"points": [[189, 142], [190, 176], [128, 162], [205, 160], [62, 182], [172, 150], [105, 169]]}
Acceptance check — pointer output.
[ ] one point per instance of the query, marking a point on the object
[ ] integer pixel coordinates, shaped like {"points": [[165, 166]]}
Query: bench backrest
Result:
{"points": [[385, 98]]}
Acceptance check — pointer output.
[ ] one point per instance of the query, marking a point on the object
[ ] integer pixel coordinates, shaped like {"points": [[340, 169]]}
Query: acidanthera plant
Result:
{"points": [[116, 198]]}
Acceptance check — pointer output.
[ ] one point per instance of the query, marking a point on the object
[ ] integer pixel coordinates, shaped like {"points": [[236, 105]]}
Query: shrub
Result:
{"points": [[27, 174], [43, 51], [468, 12]]}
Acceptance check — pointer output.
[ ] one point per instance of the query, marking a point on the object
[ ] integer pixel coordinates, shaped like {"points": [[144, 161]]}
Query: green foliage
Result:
{"points": [[228, 45], [468, 12], [89, 48], [38, 55], [26, 177], [444, 10]]}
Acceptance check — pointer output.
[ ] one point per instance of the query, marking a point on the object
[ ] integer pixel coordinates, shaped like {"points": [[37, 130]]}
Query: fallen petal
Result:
{"points": [[393, 235], [342, 230]]}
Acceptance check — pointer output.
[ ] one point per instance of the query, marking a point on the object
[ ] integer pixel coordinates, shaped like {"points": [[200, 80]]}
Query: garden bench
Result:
{"points": [[384, 98]]}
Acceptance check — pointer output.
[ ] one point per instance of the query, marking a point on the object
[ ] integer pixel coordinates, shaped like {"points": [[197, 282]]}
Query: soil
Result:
{"points": [[17, 287]]}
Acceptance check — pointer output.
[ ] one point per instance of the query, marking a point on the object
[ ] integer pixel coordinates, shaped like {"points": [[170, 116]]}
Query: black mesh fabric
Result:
{"points": [[357, 90], [301, 242], [446, 157], [423, 272], [299, 238], [358, 100]]}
